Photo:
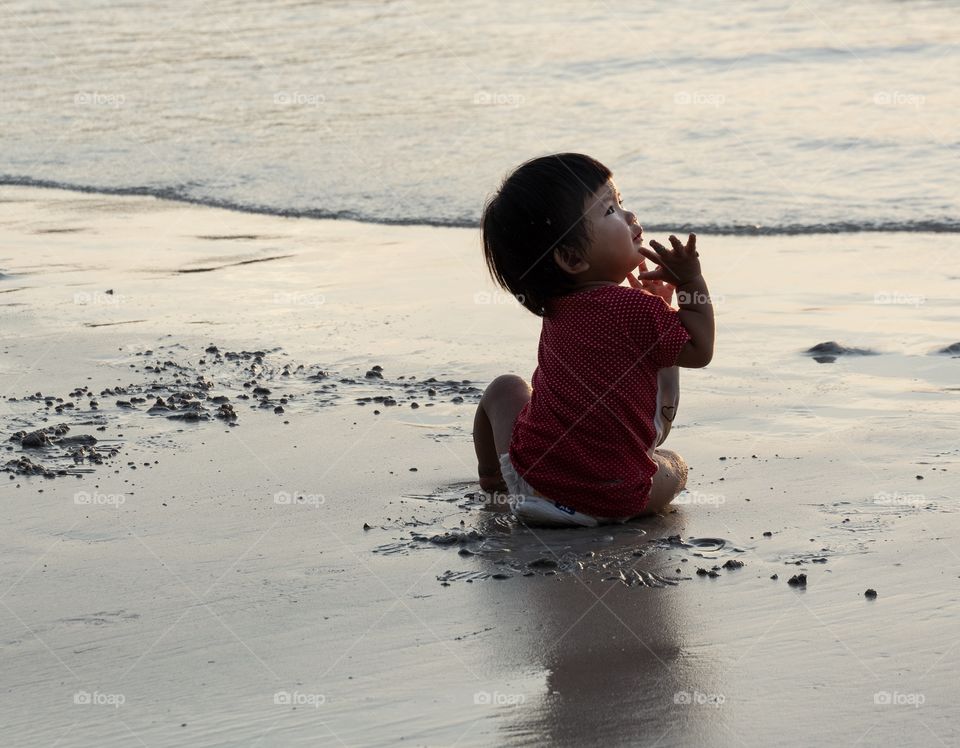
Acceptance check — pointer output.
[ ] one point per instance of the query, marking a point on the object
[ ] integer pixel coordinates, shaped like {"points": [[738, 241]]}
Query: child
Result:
{"points": [[579, 447]]}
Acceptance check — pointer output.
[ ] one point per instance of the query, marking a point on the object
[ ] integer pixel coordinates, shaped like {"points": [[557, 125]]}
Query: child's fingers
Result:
{"points": [[650, 255], [662, 252], [675, 243], [651, 275]]}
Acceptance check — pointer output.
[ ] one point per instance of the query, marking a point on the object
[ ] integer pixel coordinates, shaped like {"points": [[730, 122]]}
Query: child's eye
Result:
{"points": [[609, 210]]}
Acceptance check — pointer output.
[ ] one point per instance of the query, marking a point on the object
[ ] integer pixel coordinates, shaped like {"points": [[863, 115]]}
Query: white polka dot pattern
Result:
{"points": [[583, 439]]}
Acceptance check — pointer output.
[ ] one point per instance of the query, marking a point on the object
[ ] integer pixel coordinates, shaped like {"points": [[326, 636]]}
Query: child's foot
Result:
{"points": [[493, 483], [495, 490]]}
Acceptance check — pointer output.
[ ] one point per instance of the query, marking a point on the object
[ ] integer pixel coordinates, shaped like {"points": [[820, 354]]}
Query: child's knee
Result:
{"points": [[503, 399], [671, 469], [505, 387]]}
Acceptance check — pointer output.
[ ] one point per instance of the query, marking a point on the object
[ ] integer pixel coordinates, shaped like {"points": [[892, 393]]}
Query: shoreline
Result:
{"points": [[917, 226]]}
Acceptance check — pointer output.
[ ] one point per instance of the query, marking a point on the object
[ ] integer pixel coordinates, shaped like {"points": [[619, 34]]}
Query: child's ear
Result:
{"points": [[569, 262]]}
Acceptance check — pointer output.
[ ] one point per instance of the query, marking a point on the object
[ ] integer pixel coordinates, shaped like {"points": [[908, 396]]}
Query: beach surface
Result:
{"points": [[289, 548]]}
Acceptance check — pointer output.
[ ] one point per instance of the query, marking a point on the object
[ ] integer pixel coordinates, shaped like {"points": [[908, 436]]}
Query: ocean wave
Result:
{"points": [[943, 225]]}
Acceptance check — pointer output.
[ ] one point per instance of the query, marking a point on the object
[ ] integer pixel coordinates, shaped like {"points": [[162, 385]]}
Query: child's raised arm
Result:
{"points": [[681, 267]]}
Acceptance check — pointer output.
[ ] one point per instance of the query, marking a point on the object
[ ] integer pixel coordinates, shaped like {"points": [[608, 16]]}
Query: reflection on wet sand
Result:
{"points": [[613, 654]]}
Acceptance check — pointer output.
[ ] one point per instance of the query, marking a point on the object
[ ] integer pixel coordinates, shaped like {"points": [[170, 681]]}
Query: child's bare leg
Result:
{"points": [[488, 463], [493, 423], [669, 480]]}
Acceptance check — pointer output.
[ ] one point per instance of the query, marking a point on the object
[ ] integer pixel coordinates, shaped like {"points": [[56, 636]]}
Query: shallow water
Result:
{"points": [[763, 116]]}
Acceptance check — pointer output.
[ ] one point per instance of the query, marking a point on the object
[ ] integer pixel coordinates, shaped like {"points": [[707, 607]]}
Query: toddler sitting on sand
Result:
{"points": [[579, 447]]}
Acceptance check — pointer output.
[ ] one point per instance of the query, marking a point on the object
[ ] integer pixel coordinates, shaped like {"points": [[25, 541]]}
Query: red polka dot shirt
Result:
{"points": [[584, 437]]}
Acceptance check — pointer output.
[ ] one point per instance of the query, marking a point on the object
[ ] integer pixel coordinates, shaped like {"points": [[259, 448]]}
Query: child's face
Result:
{"points": [[615, 237]]}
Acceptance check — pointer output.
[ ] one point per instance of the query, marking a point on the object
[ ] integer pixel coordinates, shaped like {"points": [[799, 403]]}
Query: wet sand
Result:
{"points": [[320, 568]]}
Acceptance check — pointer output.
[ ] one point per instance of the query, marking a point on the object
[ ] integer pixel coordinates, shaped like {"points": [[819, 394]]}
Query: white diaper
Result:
{"points": [[532, 508]]}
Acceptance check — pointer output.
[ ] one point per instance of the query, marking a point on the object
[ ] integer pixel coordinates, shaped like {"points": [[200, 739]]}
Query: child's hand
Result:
{"points": [[677, 266], [655, 287]]}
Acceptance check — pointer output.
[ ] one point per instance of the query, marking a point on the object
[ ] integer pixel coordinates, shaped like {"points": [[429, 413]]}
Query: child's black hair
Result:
{"points": [[540, 208]]}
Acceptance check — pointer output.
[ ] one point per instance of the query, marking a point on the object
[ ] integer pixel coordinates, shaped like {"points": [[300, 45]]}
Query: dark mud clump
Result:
{"points": [[33, 440], [798, 580], [84, 440], [826, 353], [451, 537], [61, 452], [26, 466]]}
